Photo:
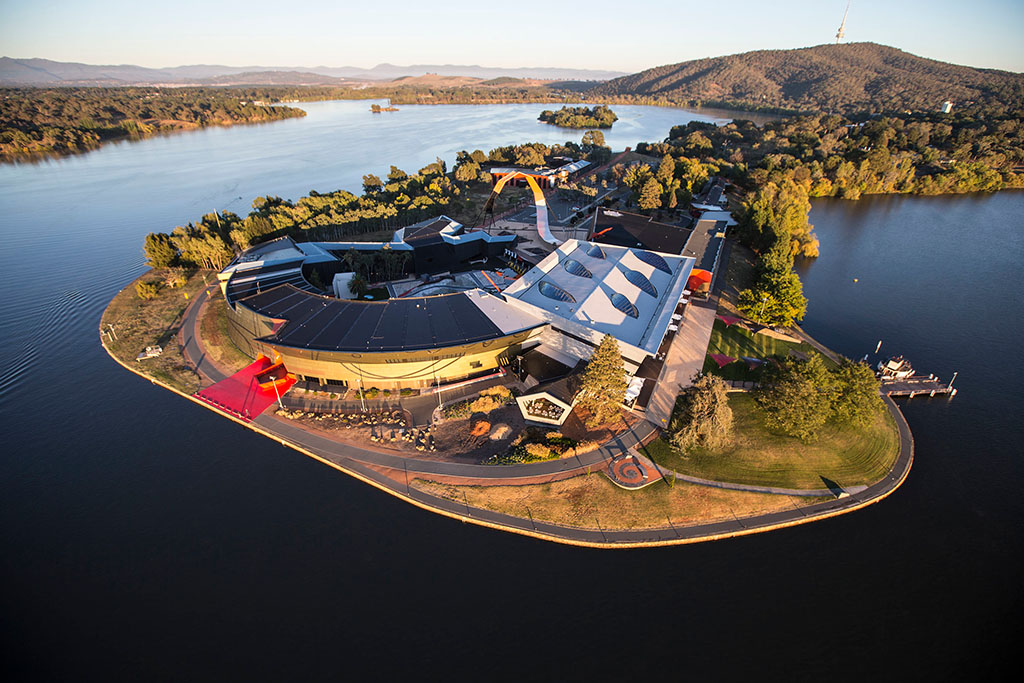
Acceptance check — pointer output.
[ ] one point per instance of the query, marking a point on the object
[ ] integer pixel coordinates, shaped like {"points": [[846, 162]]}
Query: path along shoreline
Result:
{"points": [[392, 473]]}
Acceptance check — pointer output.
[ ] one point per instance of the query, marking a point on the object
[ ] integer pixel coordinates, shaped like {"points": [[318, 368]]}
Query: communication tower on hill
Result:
{"points": [[842, 27]]}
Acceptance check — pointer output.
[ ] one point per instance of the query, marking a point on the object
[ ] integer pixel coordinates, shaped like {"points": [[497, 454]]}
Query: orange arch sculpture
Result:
{"points": [[542, 206]]}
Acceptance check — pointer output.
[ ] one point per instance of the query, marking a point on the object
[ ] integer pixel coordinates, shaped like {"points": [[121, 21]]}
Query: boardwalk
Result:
{"points": [[916, 386], [684, 360]]}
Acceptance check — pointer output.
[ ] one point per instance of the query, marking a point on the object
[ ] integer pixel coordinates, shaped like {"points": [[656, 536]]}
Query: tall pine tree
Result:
{"points": [[603, 385]]}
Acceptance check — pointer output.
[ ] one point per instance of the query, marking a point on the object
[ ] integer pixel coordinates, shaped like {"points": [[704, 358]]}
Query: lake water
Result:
{"points": [[145, 537]]}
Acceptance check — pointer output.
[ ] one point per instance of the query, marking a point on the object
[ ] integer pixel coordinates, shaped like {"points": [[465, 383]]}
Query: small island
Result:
{"points": [[580, 117]]}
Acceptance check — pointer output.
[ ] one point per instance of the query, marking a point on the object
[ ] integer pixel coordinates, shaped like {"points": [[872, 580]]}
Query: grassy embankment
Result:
{"points": [[139, 323], [592, 502], [849, 456], [213, 330]]}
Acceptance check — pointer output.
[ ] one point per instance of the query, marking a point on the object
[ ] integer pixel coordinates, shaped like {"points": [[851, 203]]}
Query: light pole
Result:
{"points": [[362, 401], [433, 371], [760, 317], [279, 404]]}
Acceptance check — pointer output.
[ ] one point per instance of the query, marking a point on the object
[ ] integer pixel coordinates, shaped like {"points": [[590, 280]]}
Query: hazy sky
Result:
{"points": [[599, 34]]}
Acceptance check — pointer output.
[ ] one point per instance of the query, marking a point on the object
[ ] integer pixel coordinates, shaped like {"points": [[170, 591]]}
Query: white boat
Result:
{"points": [[896, 367]]}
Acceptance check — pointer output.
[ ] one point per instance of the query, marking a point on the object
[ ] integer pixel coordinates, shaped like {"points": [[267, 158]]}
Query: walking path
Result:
{"points": [[684, 360], [368, 465]]}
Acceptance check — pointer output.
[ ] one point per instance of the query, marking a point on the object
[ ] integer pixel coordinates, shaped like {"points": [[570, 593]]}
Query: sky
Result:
{"points": [[598, 34]]}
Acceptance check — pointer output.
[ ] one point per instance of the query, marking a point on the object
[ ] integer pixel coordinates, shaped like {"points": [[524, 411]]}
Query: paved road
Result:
{"points": [[359, 462]]}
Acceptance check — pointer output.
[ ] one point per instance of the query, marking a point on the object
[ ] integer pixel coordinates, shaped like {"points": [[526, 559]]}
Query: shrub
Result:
{"points": [[539, 451], [457, 411], [176, 279], [147, 290]]}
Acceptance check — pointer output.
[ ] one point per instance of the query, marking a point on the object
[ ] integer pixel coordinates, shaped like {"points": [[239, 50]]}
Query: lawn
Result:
{"points": [[736, 341], [592, 502], [213, 330], [846, 455], [138, 324]]}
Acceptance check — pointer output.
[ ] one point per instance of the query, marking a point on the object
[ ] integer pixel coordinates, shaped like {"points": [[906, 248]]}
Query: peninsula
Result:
{"points": [[520, 367]]}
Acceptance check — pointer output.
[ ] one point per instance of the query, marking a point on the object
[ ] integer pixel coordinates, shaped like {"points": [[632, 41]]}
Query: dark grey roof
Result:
{"points": [[328, 324], [427, 234], [635, 231], [243, 284]]}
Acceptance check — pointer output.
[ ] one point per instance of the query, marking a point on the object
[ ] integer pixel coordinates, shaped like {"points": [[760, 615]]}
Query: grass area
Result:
{"points": [[377, 294], [592, 501], [740, 274], [139, 323], [213, 330], [846, 455], [736, 341]]}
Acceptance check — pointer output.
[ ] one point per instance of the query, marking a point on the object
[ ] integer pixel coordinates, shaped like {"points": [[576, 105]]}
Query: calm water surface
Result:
{"points": [[145, 537]]}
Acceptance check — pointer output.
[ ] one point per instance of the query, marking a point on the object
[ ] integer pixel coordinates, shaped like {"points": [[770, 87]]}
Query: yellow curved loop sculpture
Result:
{"points": [[538, 198]]}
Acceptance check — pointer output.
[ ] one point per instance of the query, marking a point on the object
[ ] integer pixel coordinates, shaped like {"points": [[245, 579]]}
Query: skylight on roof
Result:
{"points": [[635, 277], [620, 302], [595, 251], [576, 268], [554, 292], [652, 259]]}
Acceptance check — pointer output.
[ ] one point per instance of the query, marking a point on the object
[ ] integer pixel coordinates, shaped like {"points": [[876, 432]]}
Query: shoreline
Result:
{"points": [[369, 471]]}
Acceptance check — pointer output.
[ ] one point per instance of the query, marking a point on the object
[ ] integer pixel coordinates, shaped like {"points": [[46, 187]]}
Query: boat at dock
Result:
{"points": [[896, 367]]}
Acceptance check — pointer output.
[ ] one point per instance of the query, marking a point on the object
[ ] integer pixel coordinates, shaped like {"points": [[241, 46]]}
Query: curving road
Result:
{"points": [[365, 465]]}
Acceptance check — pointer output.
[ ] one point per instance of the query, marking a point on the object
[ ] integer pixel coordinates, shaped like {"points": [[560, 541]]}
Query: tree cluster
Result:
{"points": [[834, 156], [65, 120], [668, 186], [801, 396], [580, 117]]}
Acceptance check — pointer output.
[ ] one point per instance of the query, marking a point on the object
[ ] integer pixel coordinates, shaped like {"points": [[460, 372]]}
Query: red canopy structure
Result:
{"points": [[729, 320], [250, 391], [698, 277], [721, 359]]}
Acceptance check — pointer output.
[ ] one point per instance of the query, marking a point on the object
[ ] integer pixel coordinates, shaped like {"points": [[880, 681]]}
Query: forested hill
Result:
{"points": [[836, 78]]}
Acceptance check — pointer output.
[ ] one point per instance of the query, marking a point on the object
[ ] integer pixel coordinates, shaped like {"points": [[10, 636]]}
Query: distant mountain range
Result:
{"points": [[847, 77], [45, 72]]}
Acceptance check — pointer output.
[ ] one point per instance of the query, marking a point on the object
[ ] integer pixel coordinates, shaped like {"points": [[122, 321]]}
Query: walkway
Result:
{"points": [[752, 488], [684, 360]]}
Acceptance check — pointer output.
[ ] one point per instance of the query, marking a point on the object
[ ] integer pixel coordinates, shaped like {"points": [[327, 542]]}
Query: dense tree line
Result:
{"points": [[779, 166], [580, 117], [65, 120], [397, 199], [834, 156]]}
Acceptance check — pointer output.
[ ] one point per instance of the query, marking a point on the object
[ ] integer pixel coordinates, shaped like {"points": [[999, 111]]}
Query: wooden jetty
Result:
{"points": [[918, 385]]}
